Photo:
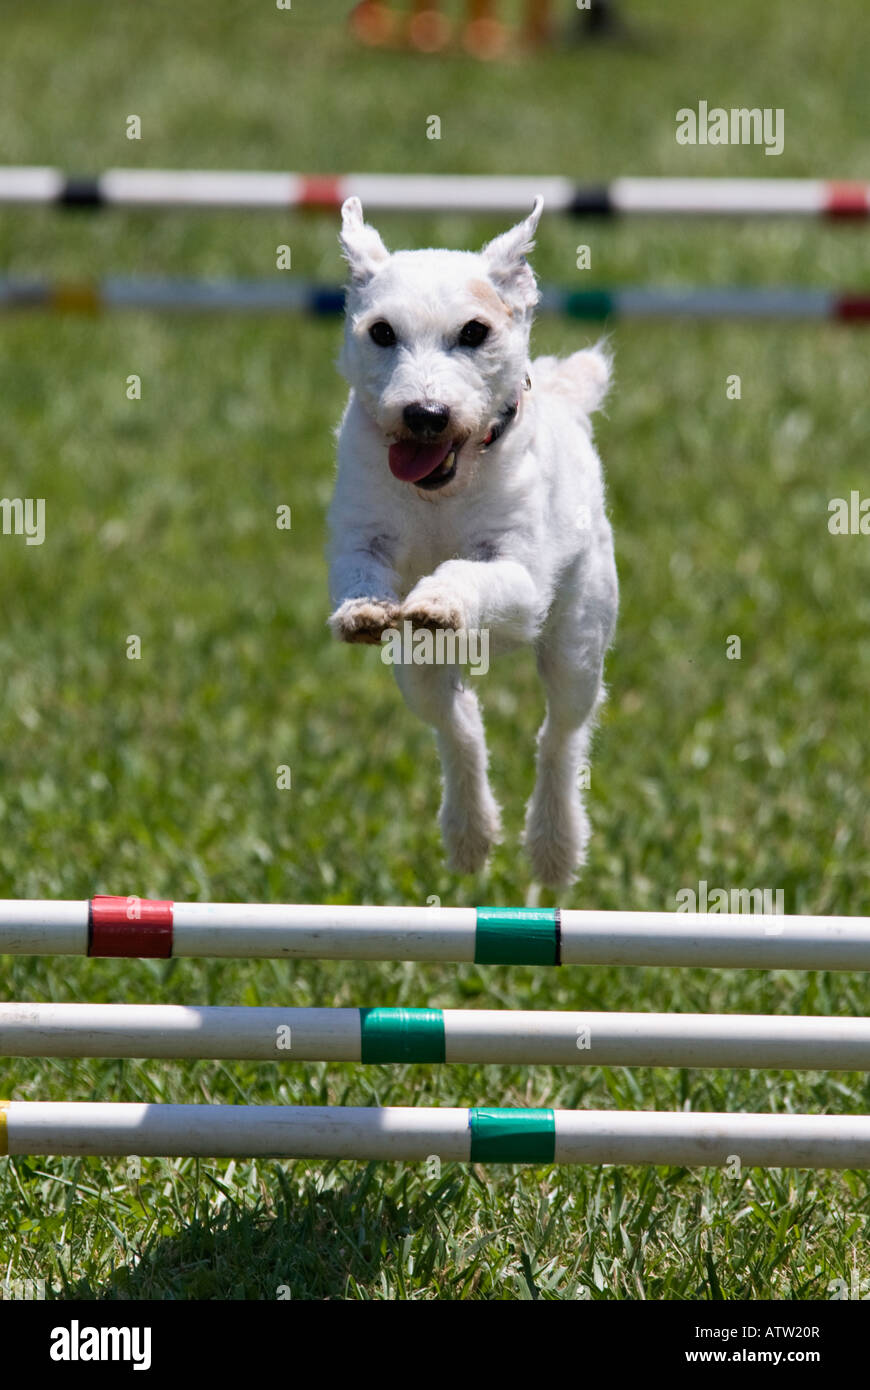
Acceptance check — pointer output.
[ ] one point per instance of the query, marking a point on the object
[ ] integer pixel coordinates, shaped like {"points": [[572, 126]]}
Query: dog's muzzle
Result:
{"points": [[429, 462]]}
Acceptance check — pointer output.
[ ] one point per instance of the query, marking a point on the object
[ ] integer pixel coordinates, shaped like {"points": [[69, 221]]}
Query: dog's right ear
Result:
{"points": [[506, 262], [364, 251]]}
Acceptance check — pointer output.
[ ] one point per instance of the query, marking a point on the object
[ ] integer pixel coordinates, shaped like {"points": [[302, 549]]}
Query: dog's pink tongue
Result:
{"points": [[410, 461]]}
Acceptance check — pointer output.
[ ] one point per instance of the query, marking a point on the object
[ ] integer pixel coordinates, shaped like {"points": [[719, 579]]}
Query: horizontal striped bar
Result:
{"points": [[301, 931], [489, 1036], [489, 193], [414, 1134], [295, 296]]}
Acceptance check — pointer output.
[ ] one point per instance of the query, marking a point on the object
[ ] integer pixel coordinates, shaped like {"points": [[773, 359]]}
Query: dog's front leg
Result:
{"points": [[364, 589], [495, 596], [469, 816], [465, 595]]}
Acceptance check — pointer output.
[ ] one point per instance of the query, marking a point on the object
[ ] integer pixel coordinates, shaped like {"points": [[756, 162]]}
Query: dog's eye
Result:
{"points": [[473, 334], [382, 334]]}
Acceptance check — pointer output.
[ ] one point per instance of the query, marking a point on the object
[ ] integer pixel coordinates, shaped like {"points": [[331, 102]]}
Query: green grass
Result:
{"points": [[158, 776]]}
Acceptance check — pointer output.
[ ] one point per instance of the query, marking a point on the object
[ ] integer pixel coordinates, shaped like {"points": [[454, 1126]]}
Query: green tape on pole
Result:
{"points": [[516, 936], [589, 304], [401, 1035], [512, 1136]]}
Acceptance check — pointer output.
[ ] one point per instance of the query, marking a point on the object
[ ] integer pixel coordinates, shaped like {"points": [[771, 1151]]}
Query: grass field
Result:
{"points": [[158, 775]]}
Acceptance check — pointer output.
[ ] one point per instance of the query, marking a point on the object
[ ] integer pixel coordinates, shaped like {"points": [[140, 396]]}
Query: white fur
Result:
{"points": [[518, 542]]}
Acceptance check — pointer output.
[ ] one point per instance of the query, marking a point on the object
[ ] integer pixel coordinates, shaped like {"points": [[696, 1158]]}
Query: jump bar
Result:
{"points": [[391, 1035], [412, 1134], [140, 927], [789, 303], [467, 193]]}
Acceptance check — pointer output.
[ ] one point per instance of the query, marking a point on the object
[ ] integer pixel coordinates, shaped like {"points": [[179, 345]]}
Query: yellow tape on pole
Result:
{"points": [[4, 1129], [70, 298]]}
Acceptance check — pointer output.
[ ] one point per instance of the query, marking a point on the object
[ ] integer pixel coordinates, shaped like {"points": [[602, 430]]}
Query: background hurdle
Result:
{"points": [[412, 1134], [436, 193], [425, 26], [269, 296], [131, 927], [496, 1036]]}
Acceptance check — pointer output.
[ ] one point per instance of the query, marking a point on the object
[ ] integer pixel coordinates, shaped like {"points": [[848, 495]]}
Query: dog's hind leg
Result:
{"points": [[570, 653], [469, 815]]}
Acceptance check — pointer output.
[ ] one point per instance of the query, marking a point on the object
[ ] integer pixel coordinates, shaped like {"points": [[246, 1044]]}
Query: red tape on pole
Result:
{"points": [[847, 200], [854, 308], [321, 191], [130, 926]]}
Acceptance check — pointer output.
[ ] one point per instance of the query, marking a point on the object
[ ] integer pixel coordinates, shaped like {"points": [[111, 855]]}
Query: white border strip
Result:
{"points": [[280, 1131], [741, 197], [314, 931], [457, 193], [712, 1140], [752, 941], [197, 189], [42, 927], [30, 185]]}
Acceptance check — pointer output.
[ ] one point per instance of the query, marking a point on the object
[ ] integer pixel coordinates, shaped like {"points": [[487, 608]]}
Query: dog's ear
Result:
{"points": [[362, 245], [506, 262]]}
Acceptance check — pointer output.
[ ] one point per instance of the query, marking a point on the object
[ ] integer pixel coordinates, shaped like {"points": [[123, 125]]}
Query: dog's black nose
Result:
{"points": [[426, 419]]}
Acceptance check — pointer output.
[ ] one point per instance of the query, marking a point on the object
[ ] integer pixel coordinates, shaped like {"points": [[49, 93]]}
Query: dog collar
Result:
{"points": [[506, 416]]}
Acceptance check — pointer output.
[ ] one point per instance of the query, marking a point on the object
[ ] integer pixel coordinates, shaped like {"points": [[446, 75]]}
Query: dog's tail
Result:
{"points": [[584, 377]]}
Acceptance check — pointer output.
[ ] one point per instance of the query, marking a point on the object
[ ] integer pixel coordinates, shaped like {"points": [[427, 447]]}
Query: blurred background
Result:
{"points": [[158, 775]]}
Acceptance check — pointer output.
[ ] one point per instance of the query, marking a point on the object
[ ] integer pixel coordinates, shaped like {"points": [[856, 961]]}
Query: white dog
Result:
{"points": [[469, 496]]}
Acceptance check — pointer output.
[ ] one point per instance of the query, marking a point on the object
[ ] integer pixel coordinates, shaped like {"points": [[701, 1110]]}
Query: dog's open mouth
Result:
{"points": [[428, 466]]}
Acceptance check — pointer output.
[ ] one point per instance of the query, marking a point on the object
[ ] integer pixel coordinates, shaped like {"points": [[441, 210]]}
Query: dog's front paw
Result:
{"points": [[470, 833], [430, 605], [363, 619], [555, 838]]}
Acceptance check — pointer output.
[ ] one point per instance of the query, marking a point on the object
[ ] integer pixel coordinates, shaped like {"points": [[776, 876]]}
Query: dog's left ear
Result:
{"points": [[362, 245], [506, 262]]}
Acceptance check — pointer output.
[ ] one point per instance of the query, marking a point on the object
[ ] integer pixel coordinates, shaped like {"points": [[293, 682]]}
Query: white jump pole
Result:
{"points": [[434, 1035], [466, 193], [140, 927], [412, 1134]]}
